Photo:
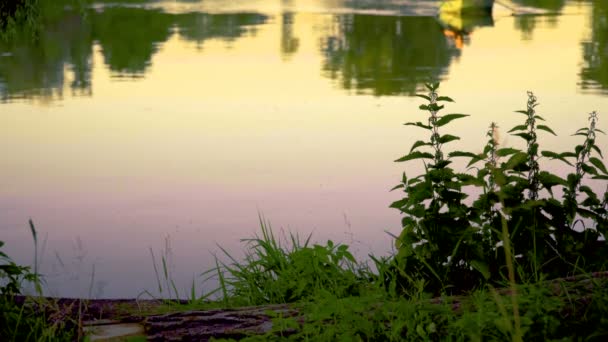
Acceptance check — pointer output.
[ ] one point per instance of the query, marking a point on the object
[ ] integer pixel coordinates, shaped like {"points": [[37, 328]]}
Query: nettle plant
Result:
{"points": [[453, 244]]}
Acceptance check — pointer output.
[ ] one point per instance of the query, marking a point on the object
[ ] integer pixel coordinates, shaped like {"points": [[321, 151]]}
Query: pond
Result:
{"points": [[171, 125]]}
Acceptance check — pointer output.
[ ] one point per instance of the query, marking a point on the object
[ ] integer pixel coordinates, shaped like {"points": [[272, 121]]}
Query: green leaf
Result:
{"points": [[549, 180], [424, 107], [462, 154], [398, 186], [589, 169], [418, 144], [415, 155], [554, 155], [467, 179], [600, 177], [546, 128], [525, 112], [445, 119], [447, 138], [474, 160], [598, 164], [418, 124], [597, 149], [431, 86], [538, 117], [503, 152], [525, 136], [440, 165], [600, 131], [517, 161], [481, 267], [444, 98], [518, 128], [424, 97]]}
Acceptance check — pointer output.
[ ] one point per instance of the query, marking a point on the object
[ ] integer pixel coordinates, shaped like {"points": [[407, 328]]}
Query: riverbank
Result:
{"points": [[572, 303]]}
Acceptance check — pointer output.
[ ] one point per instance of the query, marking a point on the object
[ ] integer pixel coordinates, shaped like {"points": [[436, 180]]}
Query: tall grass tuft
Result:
{"points": [[276, 272]]}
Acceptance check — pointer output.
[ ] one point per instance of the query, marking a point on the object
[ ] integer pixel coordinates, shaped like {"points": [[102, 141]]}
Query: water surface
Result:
{"points": [[171, 125]]}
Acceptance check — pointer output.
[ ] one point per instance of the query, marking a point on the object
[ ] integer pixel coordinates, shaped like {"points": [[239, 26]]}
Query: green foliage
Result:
{"points": [[272, 273], [24, 321], [456, 246], [12, 275], [483, 315]]}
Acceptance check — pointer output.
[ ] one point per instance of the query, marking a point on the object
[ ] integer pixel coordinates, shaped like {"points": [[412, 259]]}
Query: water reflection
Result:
{"points": [[459, 27], [551, 5], [594, 74], [386, 55], [40, 69], [199, 27], [128, 37], [527, 23]]}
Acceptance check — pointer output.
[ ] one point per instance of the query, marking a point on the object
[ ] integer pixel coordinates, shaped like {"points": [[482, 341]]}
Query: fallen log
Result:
{"points": [[157, 321]]}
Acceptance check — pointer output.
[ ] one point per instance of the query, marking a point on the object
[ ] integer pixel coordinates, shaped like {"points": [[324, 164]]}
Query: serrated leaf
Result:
{"points": [[446, 138], [467, 179], [525, 136], [549, 180], [418, 124], [441, 164], [415, 155], [589, 169], [398, 186], [445, 98], [546, 128], [462, 154], [518, 128], [516, 161], [503, 152], [554, 155], [597, 149], [474, 160], [418, 144], [449, 117], [435, 107], [598, 164]]}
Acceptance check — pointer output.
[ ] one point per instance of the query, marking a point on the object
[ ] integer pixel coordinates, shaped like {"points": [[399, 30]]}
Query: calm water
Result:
{"points": [[171, 125]]}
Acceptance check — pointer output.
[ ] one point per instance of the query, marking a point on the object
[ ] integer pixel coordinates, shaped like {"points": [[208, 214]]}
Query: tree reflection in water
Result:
{"points": [[128, 37], [594, 73], [386, 55]]}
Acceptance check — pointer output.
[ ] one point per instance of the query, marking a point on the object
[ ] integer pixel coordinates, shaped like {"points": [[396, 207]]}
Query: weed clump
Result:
{"points": [[456, 247]]}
